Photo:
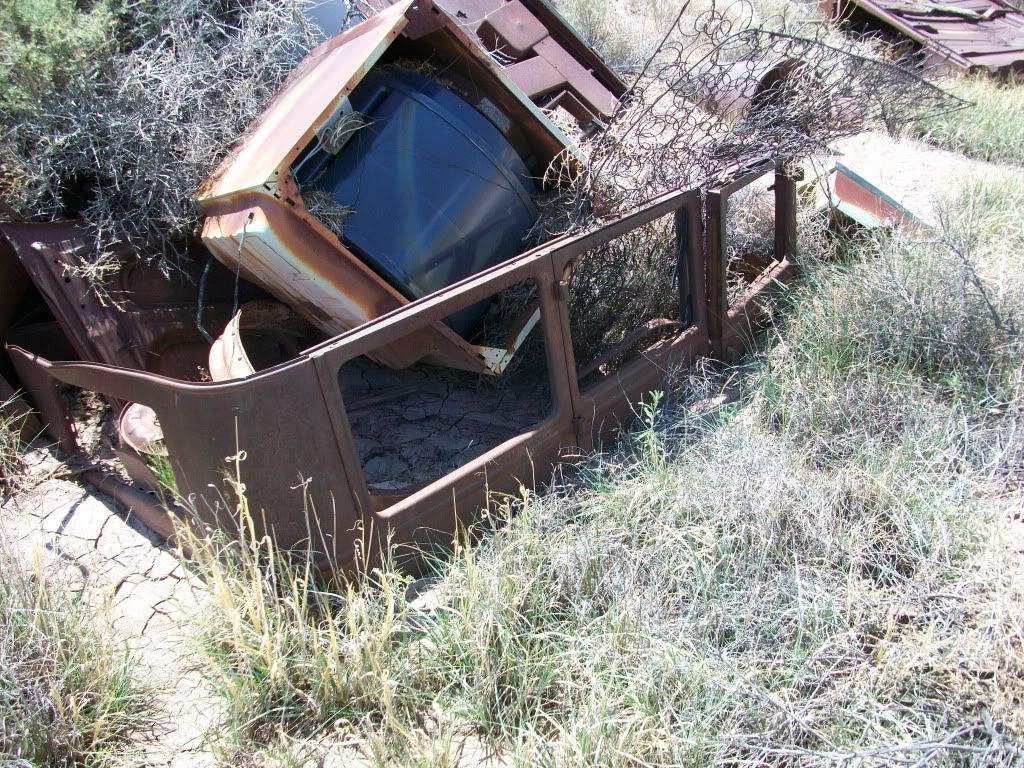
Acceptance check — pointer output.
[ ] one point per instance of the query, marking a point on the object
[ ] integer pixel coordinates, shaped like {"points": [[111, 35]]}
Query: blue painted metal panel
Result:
{"points": [[438, 192]]}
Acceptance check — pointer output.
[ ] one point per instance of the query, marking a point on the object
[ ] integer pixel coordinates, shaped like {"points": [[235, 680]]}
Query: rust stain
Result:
{"points": [[292, 420], [312, 93], [258, 224]]}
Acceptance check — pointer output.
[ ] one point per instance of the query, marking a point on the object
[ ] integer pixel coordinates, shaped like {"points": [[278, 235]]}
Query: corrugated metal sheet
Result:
{"points": [[966, 34]]}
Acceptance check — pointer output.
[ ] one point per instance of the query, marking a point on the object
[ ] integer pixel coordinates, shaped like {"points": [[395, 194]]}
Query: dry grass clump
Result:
{"points": [[992, 128], [728, 603], [68, 694], [627, 34], [10, 447], [329, 211], [624, 36], [916, 339], [131, 133], [291, 658]]}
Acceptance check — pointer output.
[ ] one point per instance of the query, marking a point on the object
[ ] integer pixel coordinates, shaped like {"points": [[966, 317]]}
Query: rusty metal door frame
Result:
{"points": [[290, 421]]}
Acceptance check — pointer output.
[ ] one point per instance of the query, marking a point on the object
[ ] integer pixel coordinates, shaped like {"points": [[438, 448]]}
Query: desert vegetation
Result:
{"points": [[69, 692], [10, 448], [116, 114], [992, 130], [804, 558], [808, 558]]}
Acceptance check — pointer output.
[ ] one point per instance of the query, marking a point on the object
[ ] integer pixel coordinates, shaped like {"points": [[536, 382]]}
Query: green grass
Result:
{"points": [[813, 573], [43, 43], [163, 471], [68, 691], [991, 129]]}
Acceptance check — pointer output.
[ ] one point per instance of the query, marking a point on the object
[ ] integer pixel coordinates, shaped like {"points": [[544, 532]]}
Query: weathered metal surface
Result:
{"points": [[144, 505], [541, 53], [750, 84], [732, 325], [259, 336], [14, 282], [153, 326], [964, 34], [46, 340], [312, 94], [257, 222], [867, 205], [139, 428], [140, 441], [288, 432]]}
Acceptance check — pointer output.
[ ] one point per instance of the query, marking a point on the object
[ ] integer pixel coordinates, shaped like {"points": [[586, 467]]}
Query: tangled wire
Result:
{"points": [[720, 94]]}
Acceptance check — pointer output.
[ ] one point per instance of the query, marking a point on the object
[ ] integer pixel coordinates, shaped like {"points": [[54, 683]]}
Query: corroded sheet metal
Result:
{"points": [[257, 222], [14, 281], [286, 430], [311, 95], [260, 330], [965, 34], [153, 327], [296, 258], [867, 205], [540, 51], [748, 85]]}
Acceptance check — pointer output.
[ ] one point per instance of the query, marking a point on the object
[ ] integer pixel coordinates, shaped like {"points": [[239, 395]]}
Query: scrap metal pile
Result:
{"points": [[960, 35], [362, 332]]}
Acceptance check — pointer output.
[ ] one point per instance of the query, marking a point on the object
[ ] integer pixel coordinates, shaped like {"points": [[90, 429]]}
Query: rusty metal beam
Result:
{"points": [[965, 35]]}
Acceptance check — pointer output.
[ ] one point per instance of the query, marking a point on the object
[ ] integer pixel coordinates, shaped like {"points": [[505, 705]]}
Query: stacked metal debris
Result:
{"points": [[384, 200], [962, 35]]}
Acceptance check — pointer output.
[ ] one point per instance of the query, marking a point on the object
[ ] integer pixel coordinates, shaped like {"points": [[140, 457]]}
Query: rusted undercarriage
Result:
{"points": [[301, 432]]}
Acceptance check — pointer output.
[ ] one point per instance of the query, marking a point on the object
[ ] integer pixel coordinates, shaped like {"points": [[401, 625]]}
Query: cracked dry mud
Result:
{"points": [[135, 582], [414, 425]]}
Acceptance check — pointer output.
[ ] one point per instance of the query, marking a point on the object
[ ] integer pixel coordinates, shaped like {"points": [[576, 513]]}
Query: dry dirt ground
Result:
{"points": [[93, 547], [137, 581]]}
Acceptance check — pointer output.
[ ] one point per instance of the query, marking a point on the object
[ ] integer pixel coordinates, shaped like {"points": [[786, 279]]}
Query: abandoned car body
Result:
{"points": [[287, 430], [451, 371]]}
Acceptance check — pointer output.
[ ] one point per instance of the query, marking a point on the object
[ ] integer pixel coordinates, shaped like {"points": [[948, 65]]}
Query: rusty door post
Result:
{"points": [[785, 212], [715, 269]]}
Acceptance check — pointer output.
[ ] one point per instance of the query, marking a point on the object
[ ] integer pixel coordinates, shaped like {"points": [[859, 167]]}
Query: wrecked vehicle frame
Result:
{"points": [[287, 433]]}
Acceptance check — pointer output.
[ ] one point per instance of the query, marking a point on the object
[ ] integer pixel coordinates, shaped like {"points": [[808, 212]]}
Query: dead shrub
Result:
{"points": [[126, 140]]}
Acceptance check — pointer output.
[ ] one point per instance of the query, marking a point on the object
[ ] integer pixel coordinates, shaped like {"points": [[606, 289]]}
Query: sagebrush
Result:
{"points": [[127, 130]]}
